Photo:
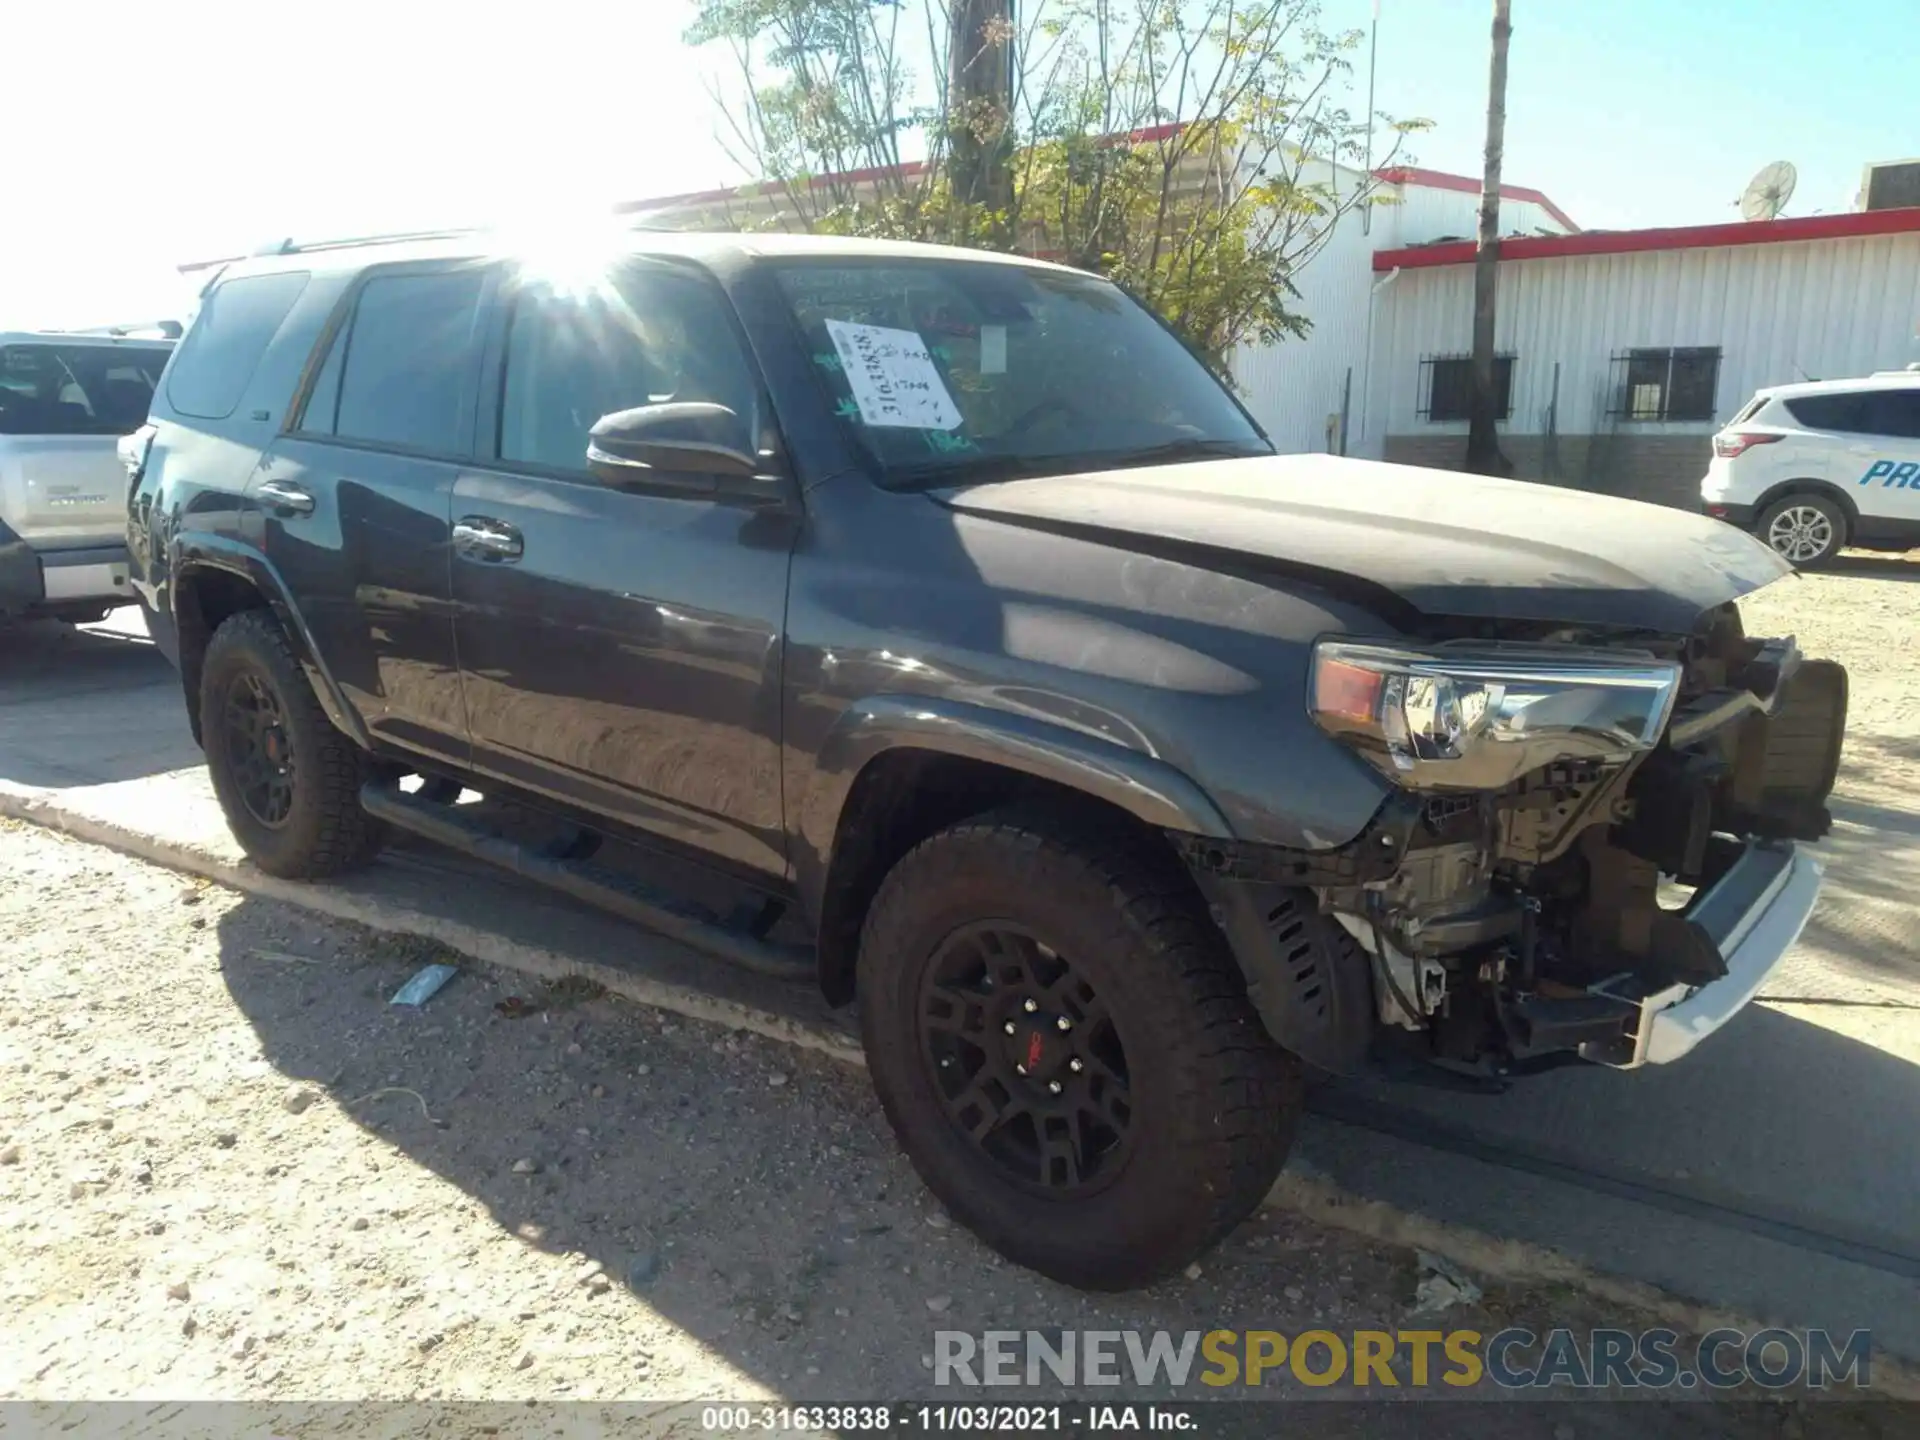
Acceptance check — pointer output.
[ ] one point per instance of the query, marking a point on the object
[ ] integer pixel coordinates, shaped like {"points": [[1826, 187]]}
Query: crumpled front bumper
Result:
{"points": [[1754, 913]]}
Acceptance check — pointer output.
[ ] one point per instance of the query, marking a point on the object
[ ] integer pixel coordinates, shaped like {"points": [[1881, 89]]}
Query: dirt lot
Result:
{"points": [[230, 1169]]}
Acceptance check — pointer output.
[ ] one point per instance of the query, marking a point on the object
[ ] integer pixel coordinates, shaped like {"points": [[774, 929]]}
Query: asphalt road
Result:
{"points": [[1774, 1172]]}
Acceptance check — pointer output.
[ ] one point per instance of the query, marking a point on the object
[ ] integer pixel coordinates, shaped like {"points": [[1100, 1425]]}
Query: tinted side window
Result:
{"points": [[654, 336], [406, 361], [323, 402], [1843, 413], [50, 389], [229, 335], [1893, 412]]}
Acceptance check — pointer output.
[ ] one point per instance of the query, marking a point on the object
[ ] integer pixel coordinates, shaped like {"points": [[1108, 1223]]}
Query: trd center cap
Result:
{"points": [[1037, 1048]]}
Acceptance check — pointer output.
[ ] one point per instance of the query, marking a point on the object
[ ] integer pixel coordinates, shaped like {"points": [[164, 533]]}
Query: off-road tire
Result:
{"points": [[1215, 1101], [325, 831], [1830, 510]]}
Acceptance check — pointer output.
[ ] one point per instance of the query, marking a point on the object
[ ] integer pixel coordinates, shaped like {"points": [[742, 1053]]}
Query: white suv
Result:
{"points": [[1810, 468], [65, 400]]}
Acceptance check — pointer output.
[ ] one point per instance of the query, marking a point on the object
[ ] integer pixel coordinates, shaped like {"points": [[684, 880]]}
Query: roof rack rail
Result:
{"points": [[169, 329], [290, 246]]}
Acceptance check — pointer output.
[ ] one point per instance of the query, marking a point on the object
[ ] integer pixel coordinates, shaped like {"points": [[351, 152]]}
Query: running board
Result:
{"points": [[690, 925]]}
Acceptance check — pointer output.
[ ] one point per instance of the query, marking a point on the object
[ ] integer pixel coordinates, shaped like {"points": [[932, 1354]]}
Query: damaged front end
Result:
{"points": [[1591, 852]]}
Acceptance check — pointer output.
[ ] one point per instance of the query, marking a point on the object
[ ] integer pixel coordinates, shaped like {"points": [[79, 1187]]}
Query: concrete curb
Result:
{"points": [[1298, 1190], [46, 809]]}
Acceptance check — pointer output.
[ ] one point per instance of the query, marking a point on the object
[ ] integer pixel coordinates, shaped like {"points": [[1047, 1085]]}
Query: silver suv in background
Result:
{"points": [[65, 399]]}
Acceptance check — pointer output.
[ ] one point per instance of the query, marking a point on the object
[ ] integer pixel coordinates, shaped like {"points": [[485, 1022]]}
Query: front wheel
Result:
{"points": [[288, 781], [1066, 1050], [1806, 529]]}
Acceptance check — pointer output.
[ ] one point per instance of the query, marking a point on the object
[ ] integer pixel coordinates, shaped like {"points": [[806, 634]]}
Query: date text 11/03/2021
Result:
{"points": [[979, 1419]]}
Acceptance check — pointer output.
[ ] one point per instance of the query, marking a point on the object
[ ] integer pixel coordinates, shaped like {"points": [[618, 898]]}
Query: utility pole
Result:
{"points": [[980, 80], [1483, 412]]}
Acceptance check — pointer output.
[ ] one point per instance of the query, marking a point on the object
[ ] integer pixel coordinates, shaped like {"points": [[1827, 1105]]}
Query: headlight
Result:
{"points": [[1480, 717]]}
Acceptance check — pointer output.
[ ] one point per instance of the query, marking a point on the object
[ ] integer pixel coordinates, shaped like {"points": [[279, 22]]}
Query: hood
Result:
{"points": [[1437, 541]]}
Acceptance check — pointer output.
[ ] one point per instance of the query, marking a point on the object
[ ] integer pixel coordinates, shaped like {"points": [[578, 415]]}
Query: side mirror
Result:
{"points": [[691, 446]]}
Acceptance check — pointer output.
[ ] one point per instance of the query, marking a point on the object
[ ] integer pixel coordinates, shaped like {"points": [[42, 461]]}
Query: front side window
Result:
{"points": [[405, 362], [647, 334], [942, 367], [54, 389]]}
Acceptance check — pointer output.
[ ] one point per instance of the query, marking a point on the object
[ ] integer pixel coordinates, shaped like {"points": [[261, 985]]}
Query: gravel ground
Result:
{"points": [[230, 1169]]}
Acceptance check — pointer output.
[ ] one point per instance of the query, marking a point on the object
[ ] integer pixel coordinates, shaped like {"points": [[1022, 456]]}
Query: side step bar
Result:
{"points": [[690, 925]]}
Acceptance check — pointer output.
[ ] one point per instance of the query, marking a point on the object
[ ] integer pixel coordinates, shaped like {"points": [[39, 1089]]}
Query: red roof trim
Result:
{"points": [[1686, 237], [1467, 185], [1153, 134]]}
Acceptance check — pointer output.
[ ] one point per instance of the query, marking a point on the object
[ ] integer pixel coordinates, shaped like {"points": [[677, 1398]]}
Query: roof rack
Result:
{"points": [[289, 246], [169, 329]]}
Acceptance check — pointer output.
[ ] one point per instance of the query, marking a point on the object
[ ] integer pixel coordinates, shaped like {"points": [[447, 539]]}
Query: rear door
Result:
{"points": [[354, 502], [1873, 447], [63, 408]]}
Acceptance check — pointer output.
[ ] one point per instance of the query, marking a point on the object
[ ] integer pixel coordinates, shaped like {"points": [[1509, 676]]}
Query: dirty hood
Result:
{"points": [[1439, 541]]}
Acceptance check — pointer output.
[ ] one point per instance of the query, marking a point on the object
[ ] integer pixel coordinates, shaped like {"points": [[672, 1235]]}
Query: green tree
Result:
{"points": [[1193, 150]]}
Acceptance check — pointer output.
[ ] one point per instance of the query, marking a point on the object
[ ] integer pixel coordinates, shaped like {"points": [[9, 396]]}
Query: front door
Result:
{"points": [[355, 501], [619, 649]]}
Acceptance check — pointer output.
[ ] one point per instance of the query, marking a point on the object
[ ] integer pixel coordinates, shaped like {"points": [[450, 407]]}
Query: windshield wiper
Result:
{"points": [[1174, 451], [975, 469]]}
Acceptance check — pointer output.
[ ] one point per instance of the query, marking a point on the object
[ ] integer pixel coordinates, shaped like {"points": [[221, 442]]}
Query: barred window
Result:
{"points": [[1676, 384], [1446, 387]]}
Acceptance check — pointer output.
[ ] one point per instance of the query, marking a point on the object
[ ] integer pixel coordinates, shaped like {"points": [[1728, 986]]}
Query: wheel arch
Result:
{"points": [[1807, 485], [215, 583], [896, 770]]}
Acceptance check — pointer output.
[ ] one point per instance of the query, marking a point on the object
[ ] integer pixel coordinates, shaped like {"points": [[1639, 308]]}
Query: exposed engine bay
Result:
{"points": [[1544, 919]]}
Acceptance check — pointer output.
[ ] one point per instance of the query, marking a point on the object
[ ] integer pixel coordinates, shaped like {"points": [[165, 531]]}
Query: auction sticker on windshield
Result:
{"points": [[893, 378]]}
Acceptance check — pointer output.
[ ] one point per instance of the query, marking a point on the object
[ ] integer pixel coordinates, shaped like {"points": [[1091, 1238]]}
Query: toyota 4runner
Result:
{"points": [[1117, 767]]}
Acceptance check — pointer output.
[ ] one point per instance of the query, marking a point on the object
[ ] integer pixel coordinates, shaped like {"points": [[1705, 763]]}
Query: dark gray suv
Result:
{"points": [[1116, 766]]}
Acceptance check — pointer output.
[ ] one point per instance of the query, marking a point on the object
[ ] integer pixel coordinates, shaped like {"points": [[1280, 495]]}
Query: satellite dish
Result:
{"points": [[1767, 193]]}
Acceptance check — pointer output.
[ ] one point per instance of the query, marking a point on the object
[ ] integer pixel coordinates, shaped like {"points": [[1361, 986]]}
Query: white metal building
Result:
{"points": [[1305, 392], [1623, 351]]}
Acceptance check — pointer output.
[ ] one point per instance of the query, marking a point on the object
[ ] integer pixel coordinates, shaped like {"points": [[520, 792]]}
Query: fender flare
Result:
{"points": [[1142, 785], [202, 552]]}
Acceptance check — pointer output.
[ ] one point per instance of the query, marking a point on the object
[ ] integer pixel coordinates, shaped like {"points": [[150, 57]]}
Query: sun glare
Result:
{"points": [[572, 255]]}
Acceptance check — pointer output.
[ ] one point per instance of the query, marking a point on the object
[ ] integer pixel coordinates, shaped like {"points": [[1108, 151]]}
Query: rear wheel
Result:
{"points": [[288, 781], [1805, 528], [1066, 1050]]}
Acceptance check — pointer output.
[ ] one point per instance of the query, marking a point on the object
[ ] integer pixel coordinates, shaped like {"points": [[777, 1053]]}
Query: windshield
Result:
{"points": [[952, 369], [54, 389]]}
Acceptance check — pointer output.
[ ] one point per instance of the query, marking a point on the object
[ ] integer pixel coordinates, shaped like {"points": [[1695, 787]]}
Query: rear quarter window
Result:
{"points": [[1843, 412], [73, 389], [237, 320]]}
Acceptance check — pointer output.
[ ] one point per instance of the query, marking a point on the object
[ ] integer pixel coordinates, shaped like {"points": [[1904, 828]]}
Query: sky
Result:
{"points": [[149, 135]]}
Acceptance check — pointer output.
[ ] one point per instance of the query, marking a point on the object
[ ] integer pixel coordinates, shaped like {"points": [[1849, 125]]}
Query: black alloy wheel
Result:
{"points": [[1026, 1059], [259, 749]]}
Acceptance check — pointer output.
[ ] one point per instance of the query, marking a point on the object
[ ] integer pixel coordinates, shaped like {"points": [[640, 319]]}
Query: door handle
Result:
{"points": [[481, 538], [284, 496]]}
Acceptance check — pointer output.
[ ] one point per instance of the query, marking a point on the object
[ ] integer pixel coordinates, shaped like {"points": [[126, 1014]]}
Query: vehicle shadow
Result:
{"points": [[776, 1226], [773, 1228], [1873, 565], [87, 706], [1783, 1126]]}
